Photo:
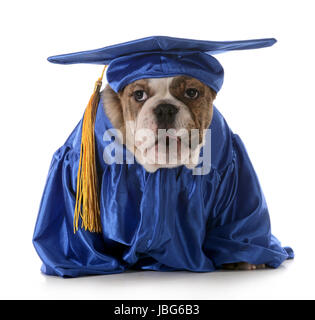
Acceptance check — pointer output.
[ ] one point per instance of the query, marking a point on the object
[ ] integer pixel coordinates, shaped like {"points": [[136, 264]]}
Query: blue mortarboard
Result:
{"points": [[159, 56]]}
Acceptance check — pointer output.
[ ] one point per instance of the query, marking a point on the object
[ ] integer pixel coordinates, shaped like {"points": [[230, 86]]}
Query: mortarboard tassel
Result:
{"points": [[87, 196]]}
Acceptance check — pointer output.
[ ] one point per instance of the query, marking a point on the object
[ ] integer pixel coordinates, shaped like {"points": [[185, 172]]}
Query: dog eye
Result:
{"points": [[192, 93], [140, 95]]}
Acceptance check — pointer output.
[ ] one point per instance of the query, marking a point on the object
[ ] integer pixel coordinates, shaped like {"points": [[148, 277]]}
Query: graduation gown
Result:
{"points": [[167, 220]]}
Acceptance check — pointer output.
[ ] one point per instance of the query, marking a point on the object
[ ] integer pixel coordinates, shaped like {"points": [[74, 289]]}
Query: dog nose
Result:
{"points": [[165, 114]]}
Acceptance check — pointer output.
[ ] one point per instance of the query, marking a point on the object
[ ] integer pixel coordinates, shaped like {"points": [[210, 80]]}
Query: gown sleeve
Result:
{"points": [[238, 228], [62, 252]]}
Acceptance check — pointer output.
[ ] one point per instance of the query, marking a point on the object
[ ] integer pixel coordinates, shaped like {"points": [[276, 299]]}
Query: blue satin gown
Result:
{"points": [[167, 220]]}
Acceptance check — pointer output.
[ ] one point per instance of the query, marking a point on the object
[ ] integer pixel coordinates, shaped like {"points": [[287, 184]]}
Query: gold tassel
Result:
{"points": [[87, 196]]}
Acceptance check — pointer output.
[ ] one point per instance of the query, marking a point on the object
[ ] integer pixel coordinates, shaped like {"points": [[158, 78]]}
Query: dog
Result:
{"points": [[175, 106]]}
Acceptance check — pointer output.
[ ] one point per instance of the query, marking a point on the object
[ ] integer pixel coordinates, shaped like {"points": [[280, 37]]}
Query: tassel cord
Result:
{"points": [[87, 194]]}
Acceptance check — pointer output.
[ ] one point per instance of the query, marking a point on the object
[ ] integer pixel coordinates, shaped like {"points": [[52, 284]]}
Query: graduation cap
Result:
{"points": [[158, 56], [151, 57]]}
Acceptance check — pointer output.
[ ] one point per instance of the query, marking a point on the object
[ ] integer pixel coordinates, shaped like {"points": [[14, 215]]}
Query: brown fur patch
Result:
{"points": [[201, 108], [130, 107]]}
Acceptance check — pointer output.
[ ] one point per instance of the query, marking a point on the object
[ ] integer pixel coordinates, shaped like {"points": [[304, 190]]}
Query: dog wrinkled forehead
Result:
{"points": [[164, 86]]}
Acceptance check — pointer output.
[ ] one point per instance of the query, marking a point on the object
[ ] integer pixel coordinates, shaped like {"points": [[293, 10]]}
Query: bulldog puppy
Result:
{"points": [[162, 122]]}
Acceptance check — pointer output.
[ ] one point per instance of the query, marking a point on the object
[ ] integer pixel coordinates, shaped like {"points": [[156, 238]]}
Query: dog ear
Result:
{"points": [[213, 93], [113, 107], [121, 92]]}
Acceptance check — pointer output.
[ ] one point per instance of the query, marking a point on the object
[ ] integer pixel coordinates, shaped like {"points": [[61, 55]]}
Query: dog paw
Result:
{"points": [[243, 266]]}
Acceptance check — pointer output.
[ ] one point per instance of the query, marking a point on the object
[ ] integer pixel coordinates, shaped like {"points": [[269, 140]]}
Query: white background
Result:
{"points": [[267, 98]]}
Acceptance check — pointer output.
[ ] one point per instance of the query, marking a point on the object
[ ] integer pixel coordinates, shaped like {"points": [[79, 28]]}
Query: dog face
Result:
{"points": [[162, 120]]}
